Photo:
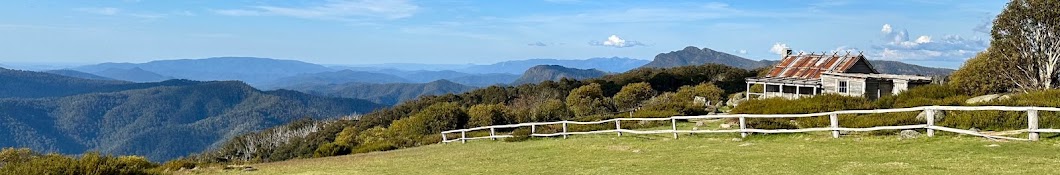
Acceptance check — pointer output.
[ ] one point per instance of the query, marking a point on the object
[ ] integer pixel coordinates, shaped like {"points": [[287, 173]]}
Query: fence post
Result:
{"points": [[618, 126], [564, 129], [492, 135], [834, 118], [930, 117], [673, 124], [463, 136], [444, 139], [1032, 125], [743, 127]]}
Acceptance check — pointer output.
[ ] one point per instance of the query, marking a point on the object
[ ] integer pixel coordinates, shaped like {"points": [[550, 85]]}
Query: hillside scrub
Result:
{"points": [[417, 122], [26, 161]]}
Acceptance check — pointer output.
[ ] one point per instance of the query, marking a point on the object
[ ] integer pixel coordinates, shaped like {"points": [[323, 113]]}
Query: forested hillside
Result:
{"points": [[387, 94], [161, 120], [30, 84], [656, 92]]}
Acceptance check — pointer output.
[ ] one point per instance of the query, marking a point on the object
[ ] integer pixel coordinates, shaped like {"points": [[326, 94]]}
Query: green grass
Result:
{"points": [[813, 153]]}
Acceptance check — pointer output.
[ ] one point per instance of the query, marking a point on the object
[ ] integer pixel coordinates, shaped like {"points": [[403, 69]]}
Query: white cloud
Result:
{"points": [[897, 46], [741, 51], [538, 44], [923, 39], [100, 10], [111, 11], [615, 41], [779, 48], [334, 10]]}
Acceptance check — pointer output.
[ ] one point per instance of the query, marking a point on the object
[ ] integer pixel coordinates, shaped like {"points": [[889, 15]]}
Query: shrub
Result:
{"points": [[588, 100], [820, 103], [632, 95], [331, 149], [348, 137], [486, 115], [980, 75], [924, 96]]}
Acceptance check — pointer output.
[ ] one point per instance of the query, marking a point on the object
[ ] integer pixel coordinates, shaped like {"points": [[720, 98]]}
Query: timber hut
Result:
{"points": [[804, 75]]}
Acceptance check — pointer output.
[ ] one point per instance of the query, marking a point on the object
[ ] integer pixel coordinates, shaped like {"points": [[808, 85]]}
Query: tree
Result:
{"points": [[632, 95], [550, 110], [706, 90], [436, 118], [1026, 37], [587, 100], [486, 115], [980, 75]]}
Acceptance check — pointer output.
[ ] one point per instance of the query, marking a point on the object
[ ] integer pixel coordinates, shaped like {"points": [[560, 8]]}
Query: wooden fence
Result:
{"points": [[1032, 124]]}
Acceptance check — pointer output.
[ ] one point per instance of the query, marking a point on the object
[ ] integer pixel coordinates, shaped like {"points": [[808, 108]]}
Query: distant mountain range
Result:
{"points": [[694, 56], [247, 69], [336, 77], [542, 73], [272, 73], [895, 67], [77, 74], [613, 64], [387, 94], [163, 120], [134, 74], [485, 80]]}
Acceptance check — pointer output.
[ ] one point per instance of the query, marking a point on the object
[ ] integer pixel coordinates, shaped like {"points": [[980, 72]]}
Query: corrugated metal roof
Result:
{"points": [[811, 66]]}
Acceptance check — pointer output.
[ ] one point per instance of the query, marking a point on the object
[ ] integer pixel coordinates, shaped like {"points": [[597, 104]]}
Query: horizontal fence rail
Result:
{"points": [[1032, 124]]}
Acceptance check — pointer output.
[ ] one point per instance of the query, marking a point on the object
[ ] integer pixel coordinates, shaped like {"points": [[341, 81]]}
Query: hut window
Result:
{"points": [[842, 86]]}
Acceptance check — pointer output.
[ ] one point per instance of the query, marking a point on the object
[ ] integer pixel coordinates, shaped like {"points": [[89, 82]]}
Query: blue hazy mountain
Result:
{"points": [[613, 64], [248, 69], [334, 77], [77, 74], [135, 74]]}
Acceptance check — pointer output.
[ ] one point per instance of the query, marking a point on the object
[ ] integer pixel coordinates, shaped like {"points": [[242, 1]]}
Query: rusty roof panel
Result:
{"points": [[811, 66]]}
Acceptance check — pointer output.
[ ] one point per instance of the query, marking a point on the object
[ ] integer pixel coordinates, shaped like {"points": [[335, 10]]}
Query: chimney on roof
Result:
{"points": [[787, 51]]}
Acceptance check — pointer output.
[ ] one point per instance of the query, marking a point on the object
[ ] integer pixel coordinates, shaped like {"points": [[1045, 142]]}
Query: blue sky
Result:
{"points": [[935, 33]]}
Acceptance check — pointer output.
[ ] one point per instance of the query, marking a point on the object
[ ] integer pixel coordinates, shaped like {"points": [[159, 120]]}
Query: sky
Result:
{"points": [[936, 33]]}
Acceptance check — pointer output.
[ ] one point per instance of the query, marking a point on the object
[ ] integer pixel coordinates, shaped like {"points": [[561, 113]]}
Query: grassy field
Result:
{"points": [[813, 153]]}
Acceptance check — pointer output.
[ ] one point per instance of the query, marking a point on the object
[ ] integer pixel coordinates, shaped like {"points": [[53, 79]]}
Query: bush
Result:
{"points": [[486, 115], [631, 95], [588, 100], [927, 95], [980, 75], [348, 137], [331, 149], [23, 161], [820, 103], [815, 104]]}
